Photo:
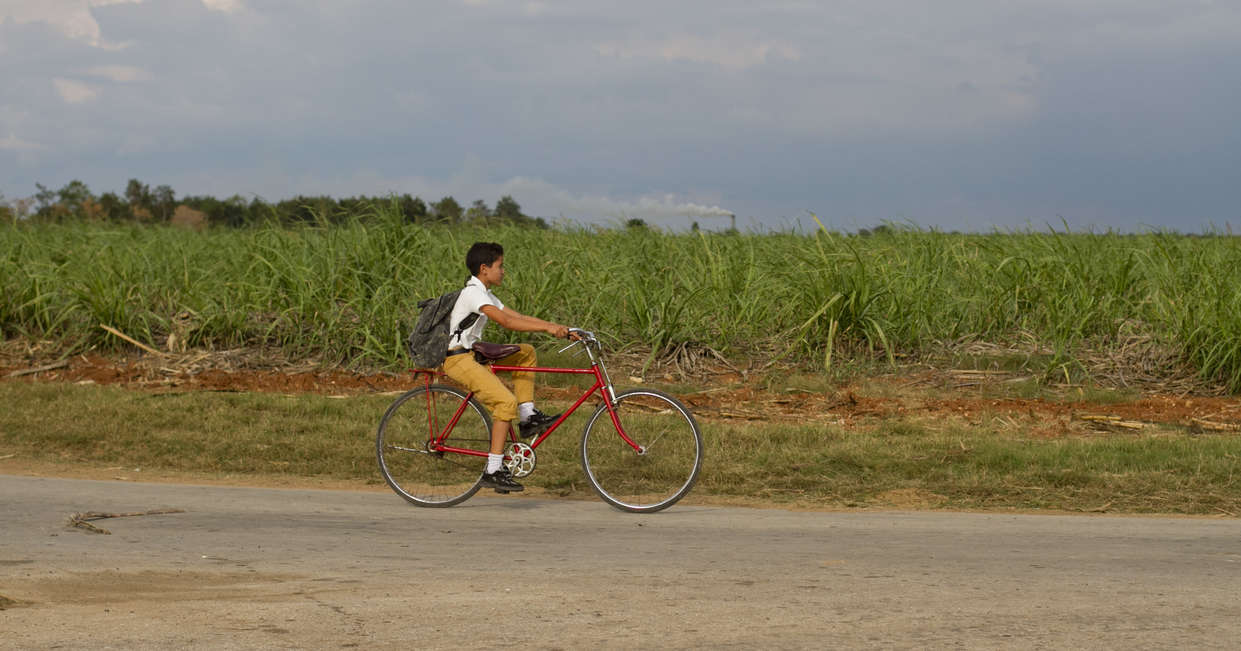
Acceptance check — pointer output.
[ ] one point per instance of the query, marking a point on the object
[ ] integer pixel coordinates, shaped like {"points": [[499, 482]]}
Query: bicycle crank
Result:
{"points": [[519, 459]]}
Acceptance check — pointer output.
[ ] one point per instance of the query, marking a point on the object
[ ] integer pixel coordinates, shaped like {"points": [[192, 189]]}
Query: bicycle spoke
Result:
{"points": [[401, 449], [654, 478], [647, 447], [429, 477]]}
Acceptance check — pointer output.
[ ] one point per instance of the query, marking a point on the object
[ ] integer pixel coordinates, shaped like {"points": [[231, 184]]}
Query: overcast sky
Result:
{"points": [[954, 114]]}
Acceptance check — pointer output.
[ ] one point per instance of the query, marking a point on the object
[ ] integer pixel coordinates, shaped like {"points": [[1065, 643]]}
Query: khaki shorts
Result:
{"points": [[488, 388]]}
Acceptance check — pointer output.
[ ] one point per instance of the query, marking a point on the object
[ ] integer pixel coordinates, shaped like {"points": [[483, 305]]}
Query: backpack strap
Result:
{"points": [[469, 318], [465, 323]]}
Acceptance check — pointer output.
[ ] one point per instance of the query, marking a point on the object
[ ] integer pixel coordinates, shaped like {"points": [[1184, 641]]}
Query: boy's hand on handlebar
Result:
{"points": [[558, 331]]}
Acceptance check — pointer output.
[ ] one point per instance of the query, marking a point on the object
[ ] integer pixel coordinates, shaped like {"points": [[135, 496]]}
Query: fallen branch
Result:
{"points": [[740, 415], [1113, 421], [82, 520], [131, 340], [1216, 427], [39, 369]]}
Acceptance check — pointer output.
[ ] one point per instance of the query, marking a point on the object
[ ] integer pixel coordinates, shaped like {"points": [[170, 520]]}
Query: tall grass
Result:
{"points": [[346, 293]]}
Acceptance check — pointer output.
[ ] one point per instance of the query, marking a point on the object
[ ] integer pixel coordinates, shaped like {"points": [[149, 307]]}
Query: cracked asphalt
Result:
{"points": [[282, 568]]}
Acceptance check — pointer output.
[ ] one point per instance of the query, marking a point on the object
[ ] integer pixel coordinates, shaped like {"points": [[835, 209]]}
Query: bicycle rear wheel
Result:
{"points": [[416, 472], [662, 472]]}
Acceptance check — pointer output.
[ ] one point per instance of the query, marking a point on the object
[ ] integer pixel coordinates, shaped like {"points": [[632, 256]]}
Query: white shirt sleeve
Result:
{"points": [[473, 298]]}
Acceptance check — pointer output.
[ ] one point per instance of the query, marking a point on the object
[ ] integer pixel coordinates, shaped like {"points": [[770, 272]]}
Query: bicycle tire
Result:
{"points": [[656, 478], [421, 476]]}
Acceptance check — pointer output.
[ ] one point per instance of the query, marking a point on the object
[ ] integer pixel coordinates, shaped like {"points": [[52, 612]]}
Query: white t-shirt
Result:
{"points": [[471, 301]]}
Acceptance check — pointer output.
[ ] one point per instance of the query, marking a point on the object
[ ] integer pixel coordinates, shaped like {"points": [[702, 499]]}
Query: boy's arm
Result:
{"points": [[511, 319]]}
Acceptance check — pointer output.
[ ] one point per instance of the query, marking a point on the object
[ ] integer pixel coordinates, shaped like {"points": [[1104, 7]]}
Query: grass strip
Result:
{"points": [[896, 462]]}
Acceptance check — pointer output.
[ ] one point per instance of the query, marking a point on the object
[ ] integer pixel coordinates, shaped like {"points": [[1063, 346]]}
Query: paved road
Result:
{"points": [[247, 568]]}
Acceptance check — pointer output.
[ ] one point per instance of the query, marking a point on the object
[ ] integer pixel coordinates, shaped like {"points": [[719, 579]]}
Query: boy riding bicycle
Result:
{"points": [[485, 261]]}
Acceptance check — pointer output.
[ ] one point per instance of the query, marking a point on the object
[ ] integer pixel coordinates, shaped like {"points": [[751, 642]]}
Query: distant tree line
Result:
{"points": [[143, 204]]}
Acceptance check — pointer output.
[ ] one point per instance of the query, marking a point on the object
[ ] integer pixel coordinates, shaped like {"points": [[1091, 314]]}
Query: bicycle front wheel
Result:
{"points": [[665, 466], [411, 467]]}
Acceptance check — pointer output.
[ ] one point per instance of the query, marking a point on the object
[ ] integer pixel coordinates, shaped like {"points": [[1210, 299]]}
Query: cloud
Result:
{"points": [[73, 18], [13, 143], [646, 109], [119, 73], [543, 198], [716, 51], [226, 6], [73, 92]]}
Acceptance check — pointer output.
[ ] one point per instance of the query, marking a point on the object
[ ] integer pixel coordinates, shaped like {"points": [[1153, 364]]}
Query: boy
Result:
{"points": [[485, 261]]}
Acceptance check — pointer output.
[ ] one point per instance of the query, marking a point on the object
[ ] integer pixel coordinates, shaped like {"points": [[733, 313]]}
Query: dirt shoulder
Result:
{"points": [[723, 394]]}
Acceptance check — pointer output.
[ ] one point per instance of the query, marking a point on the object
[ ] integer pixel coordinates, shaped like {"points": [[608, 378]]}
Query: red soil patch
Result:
{"points": [[141, 374], [721, 398]]}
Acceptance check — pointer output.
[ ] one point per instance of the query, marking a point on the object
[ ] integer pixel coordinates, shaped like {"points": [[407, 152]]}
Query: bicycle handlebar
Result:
{"points": [[584, 334], [583, 337]]}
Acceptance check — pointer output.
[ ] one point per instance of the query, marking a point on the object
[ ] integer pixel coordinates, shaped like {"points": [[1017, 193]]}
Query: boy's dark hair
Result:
{"points": [[480, 254]]}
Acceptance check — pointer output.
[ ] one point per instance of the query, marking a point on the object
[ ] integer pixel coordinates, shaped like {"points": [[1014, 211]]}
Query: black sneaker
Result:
{"points": [[536, 424], [502, 481]]}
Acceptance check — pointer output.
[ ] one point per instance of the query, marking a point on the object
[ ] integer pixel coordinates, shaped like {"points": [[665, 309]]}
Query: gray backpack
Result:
{"points": [[428, 343]]}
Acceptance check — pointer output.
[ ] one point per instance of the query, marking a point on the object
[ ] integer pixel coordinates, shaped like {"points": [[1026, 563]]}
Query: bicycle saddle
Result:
{"points": [[491, 352]]}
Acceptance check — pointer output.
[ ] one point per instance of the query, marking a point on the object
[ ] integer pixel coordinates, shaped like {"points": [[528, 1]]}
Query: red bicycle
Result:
{"points": [[641, 449]]}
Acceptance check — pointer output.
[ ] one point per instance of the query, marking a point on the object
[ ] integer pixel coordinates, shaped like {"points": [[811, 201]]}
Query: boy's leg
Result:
{"points": [[523, 381], [503, 406], [533, 422], [489, 390], [499, 436]]}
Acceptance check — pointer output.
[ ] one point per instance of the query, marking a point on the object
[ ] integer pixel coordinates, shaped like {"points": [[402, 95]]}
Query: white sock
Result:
{"points": [[524, 411], [494, 461]]}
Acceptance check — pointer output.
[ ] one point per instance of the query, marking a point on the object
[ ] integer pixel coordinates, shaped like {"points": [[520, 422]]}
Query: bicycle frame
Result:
{"points": [[602, 385]]}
